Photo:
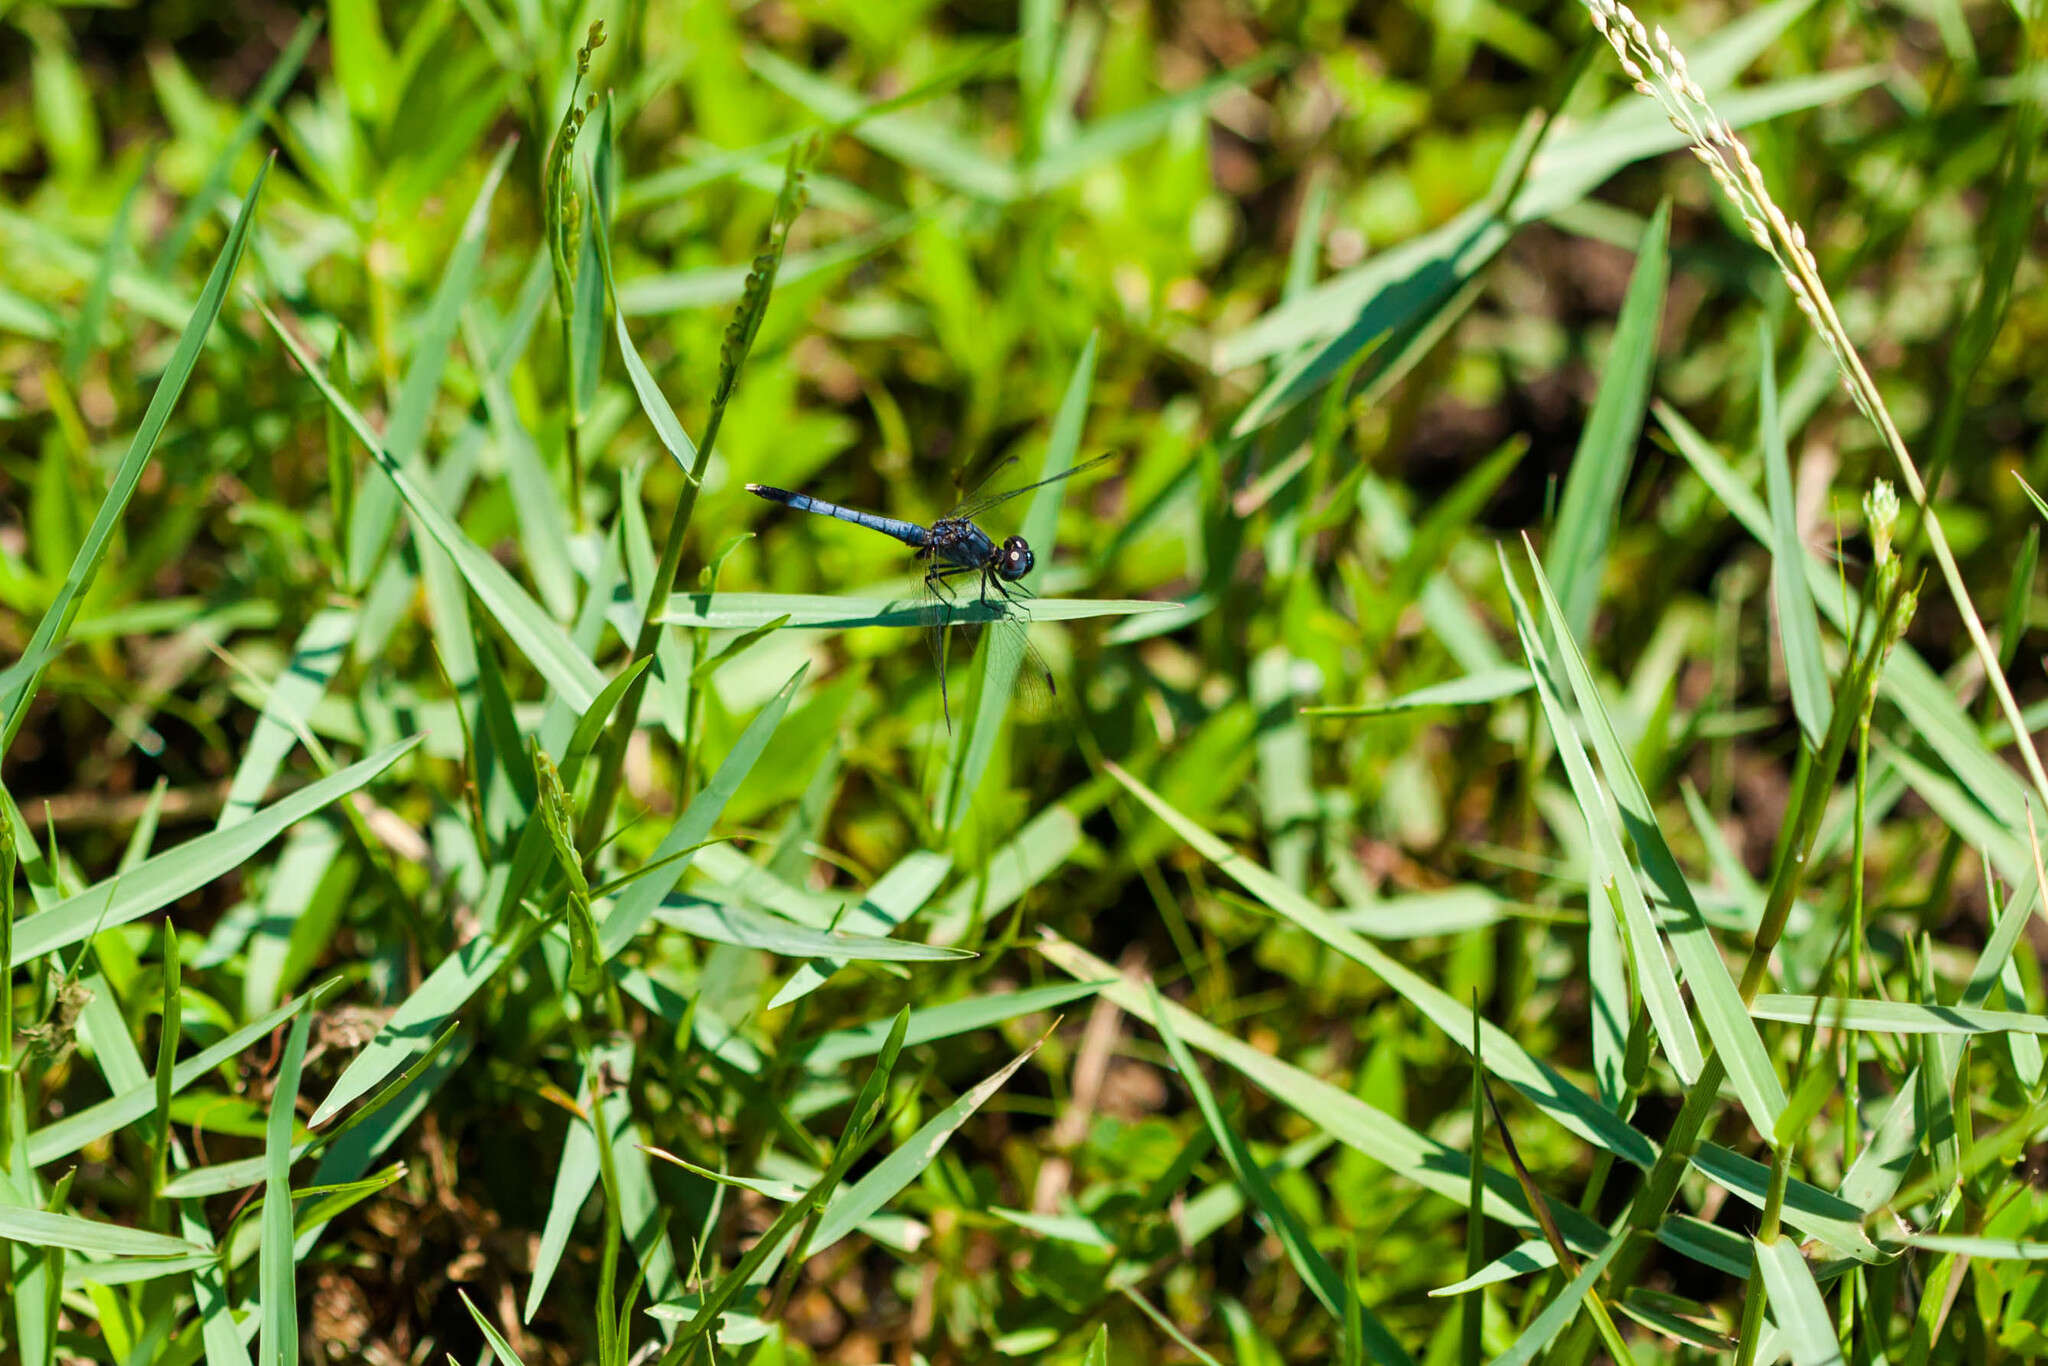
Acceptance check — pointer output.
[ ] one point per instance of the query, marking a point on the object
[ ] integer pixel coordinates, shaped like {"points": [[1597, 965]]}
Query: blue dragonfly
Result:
{"points": [[952, 547]]}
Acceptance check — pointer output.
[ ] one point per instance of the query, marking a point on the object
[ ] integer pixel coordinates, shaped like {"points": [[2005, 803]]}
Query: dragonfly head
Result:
{"points": [[1014, 560]]}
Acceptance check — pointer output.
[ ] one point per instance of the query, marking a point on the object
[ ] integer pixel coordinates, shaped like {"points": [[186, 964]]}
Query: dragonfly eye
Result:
{"points": [[1016, 560]]}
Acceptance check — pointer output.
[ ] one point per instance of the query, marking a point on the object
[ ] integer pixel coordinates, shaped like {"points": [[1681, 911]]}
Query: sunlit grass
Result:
{"points": [[1521, 862]]}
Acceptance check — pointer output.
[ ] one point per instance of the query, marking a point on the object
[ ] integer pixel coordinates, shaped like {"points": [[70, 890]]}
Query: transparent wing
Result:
{"points": [[1008, 640], [1034, 690], [975, 507], [967, 485]]}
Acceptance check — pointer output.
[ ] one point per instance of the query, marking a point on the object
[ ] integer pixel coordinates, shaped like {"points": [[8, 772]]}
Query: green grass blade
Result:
{"points": [[1544, 1328], [631, 912], [919, 141], [1109, 138], [277, 1342], [667, 427], [85, 565], [750, 929], [661, 295], [1494, 685], [41, 1228], [298, 688], [1573, 164], [256, 111], [84, 334], [945, 1021], [750, 611], [1798, 622], [537, 635], [889, 1176], [1607, 445], [131, 1270], [1808, 1329], [62, 1137], [1699, 957], [170, 875], [376, 508], [420, 1017], [1001, 659], [896, 896], [1654, 978], [1315, 1271], [1504, 1057], [1897, 1017], [1426, 1162], [1928, 704], [491, 1335]]}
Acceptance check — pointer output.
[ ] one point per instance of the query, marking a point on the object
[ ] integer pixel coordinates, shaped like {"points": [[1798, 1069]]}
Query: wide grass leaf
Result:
{"points": [[1808, 1329], [42, 1228], [748, 611]]}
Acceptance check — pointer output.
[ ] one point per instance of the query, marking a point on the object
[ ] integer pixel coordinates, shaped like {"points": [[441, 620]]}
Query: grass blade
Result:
{"points": [[277, 1342], [1607, 444], [1798, 623], [170, 875], [85, 565], [1315, 1271]]}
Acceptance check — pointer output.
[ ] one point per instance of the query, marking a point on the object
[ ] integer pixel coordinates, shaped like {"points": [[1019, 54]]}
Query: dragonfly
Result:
{"points": [[952, 548]]}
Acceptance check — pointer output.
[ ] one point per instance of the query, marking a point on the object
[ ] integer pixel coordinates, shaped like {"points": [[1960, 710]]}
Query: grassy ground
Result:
{"points": [[1526, 856]]}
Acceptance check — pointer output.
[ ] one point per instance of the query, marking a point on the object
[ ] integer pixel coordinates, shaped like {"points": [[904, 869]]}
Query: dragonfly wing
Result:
{"points": [[975, 507], [1011, 648]]}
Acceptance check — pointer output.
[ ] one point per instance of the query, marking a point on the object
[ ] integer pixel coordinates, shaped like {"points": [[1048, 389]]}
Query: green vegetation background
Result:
{"points": [[419, 950]]}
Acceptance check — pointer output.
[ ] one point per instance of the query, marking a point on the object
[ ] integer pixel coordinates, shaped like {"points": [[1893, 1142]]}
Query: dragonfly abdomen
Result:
{"points": [[910, 533]]}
